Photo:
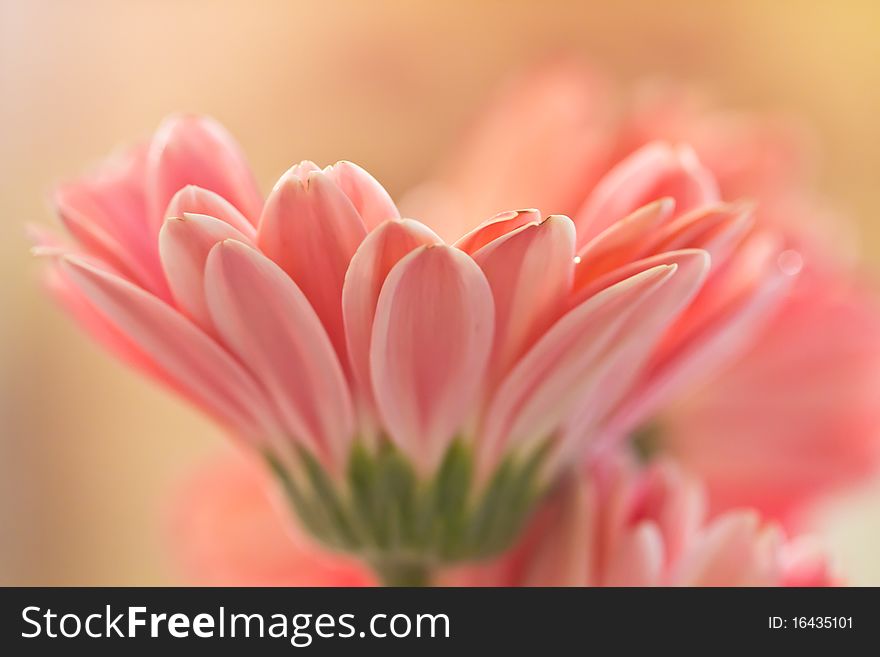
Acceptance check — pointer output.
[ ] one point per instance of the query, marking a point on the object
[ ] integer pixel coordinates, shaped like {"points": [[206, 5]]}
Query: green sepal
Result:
{"points": [[382, 511]]}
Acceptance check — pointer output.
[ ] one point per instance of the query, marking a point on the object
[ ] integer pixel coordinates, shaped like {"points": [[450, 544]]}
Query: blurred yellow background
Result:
{"points": [[88, 450]]}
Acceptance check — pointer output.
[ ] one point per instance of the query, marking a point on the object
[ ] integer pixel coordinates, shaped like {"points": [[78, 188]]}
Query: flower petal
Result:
{"points": [[264, 317], [192, 359], [312, 230], [196, 200], [530, 272], [369, 268], [697, 257], [655, 171], [368, 197], [552, 378], [106, 212], [196, 150], [494, 227], [430, 346], [622, 241], [734, 550], [638, 558], [184, 243], [620, 384], [735, 304], [99, 328], [716, 229]]}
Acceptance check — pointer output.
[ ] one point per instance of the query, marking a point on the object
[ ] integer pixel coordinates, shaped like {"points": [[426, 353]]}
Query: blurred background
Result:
{"points": [[89, 451]]}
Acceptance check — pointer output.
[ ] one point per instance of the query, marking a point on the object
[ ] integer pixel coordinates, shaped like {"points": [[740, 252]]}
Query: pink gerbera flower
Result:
{"points": [[415, 399]]}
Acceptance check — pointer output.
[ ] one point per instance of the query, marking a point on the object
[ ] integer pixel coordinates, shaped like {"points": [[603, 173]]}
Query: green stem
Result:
{"points": [[403, 573]]}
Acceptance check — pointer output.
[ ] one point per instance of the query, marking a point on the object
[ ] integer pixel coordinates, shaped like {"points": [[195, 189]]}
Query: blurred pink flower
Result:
{"points": [[797, 415], [229, 527], [352, 348], [790, 408], [621, 526]]}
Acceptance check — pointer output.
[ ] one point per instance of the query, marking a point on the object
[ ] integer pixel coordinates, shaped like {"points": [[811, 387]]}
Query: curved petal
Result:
{"points": [[494, 227], [655, 171], [196, 200], [106, 212], [228, 527], [196, 150], [192, 359], [552, 378], [368, 197], [431, 341], [530, 272], [716, 229], [312, 230], [101, 329], [622, 241], [695, 257], [734, 550], [262, 315], [369, 268], [184, 243], [620, 384]]}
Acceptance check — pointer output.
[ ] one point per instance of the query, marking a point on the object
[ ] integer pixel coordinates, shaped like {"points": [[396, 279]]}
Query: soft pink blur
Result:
{"points": [[781, 379]]}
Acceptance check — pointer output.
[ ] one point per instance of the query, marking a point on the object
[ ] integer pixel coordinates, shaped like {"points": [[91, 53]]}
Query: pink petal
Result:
{"points": [[637, 559], [195, 200], [530, 272], [655, 171], [264, 317], [723, 319], [431, 342], [369, 198], [312, 230], [805, 563], [734, 550], [184, 244], [716, 229], [622, 241], [196, 150], [685, 256], [618, 384], [99, 328], [493, 228], [553, 377], [565, 549], [106, 212], [369, 267], [675, 502], [192, 359], [707, 348]]}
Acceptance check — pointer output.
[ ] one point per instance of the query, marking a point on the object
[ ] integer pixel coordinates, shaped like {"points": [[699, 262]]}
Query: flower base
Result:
{"points": [[405, 526]]}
